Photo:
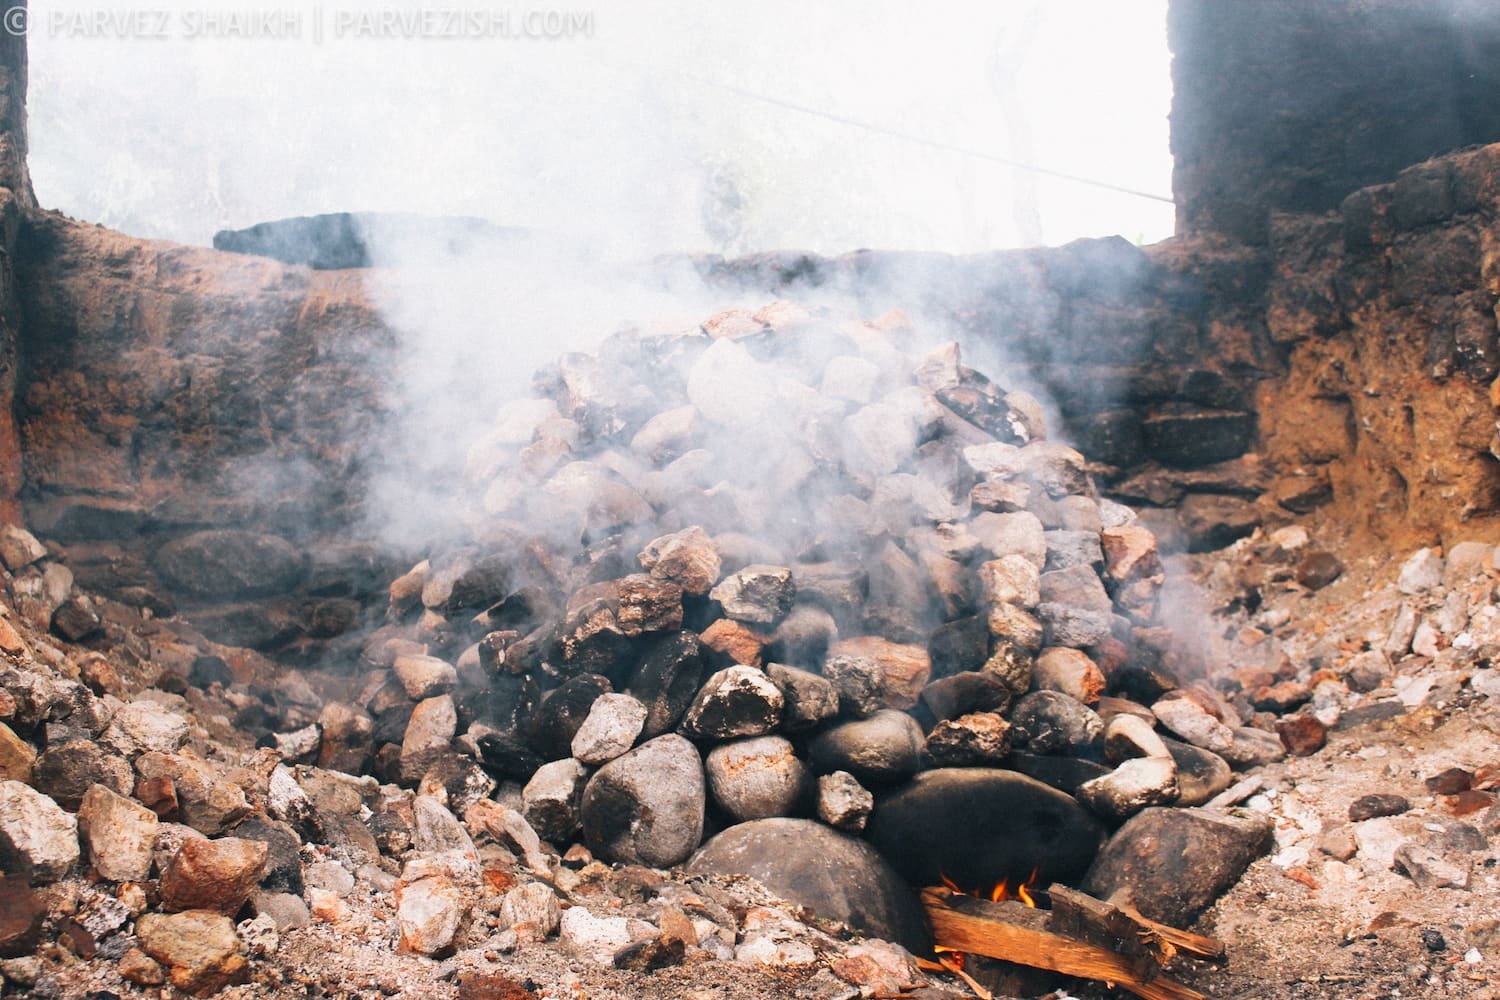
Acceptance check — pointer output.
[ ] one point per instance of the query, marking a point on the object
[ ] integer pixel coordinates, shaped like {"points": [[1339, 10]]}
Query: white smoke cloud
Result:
{"points": [[665, 126]]}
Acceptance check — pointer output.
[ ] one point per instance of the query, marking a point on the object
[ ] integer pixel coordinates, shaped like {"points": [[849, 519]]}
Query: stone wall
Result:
{"points": [[1290, 105]]}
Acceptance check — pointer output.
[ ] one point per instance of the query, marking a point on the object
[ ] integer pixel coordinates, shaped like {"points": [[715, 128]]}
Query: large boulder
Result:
{"points": [[1171, 864], [977, 826], [831, 873], [230, 563], [646, 807]]}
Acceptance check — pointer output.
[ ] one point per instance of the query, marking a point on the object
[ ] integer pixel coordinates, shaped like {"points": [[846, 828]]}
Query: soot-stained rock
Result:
{"points": [[1050, 722], [959, 646], [809, 700], [551, 729], [646, 807], [980, 739], [230, 563], [902, 669], [760, 594], [962, 693], [843, 802], [1171, 864], [981, 825], [736, 701], [666, 679], [834, 875], [1065, 774], [880, 750], [1201, 774]]}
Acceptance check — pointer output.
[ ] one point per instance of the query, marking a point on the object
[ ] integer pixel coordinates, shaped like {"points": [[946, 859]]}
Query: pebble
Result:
{"points": [[843, 802]]}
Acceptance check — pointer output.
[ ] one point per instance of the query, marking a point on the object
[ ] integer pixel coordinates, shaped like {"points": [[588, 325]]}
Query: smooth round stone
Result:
{"points": [[1201, 774], [646, 807], [882, 749], [833, 874], [757, 778], [980, 825]]}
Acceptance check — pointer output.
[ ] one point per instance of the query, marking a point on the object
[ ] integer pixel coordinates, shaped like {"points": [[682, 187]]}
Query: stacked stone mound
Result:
{"points": [[778, 566]]}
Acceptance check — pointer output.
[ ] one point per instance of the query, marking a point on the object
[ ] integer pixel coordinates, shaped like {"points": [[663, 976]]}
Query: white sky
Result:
{"points": [[622, 134]]}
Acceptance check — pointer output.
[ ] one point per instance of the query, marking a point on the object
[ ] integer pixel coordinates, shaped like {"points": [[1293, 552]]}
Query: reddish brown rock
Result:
{"points": [[904, 669], [688, 558], [1130, 553], [734, 642], [1302, 735], [214, 875]]}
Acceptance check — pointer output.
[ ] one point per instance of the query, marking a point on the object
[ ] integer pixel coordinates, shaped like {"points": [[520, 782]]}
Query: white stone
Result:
{"points": [[1422, 571], [595, 938], [144, 726], [37, 837], [613, 724]]}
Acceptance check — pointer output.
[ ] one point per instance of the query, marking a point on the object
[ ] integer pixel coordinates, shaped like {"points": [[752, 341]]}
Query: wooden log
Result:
{"points": [[971, 926]]}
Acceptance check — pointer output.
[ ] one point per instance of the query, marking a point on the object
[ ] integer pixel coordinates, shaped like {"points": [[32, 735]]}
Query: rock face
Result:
{"points": [[835, 875], [1173, 863], [646, 807], [980, 825]]}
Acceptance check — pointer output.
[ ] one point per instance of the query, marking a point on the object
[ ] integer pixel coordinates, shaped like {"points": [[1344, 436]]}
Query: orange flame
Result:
{"points": [[1001, 891]]}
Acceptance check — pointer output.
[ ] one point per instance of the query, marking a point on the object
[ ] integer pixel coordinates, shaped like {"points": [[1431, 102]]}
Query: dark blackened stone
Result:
{"points": [[551, 729], [505, 703], [980, 825], [284, 857], [959, 645], [591, 640], [1318, 569], [1143, 685], [64, 772], [834, 875], [210, 670], [1188, 437], [230, 563], [1370, 806], [1112, 437], [962, 693], [523, 611], [390, 725], [803, 637], [1050, 722], [1211, 521], [1063, 773], [507, 758], [665, 679], [1171, 864], [1201, 774], [881, 750], [76, 618], [647, 806], [809, 700]]}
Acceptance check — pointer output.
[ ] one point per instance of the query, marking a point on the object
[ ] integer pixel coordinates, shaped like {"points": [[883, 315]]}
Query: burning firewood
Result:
{"points": [[1077, 935]]}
